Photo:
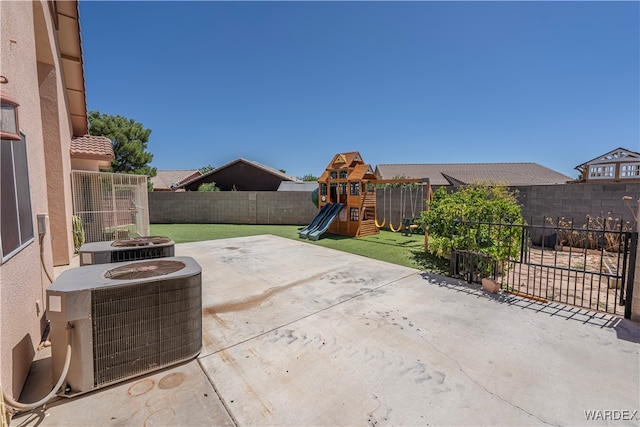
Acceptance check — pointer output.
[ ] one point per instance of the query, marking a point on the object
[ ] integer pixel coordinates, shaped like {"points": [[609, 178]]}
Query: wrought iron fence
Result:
{"points": [[589, 266], [111, 205]]}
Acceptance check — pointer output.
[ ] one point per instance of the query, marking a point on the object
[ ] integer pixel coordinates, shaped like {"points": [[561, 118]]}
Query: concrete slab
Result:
{"points": [[296, 334], [255, 284], [180, 396]]}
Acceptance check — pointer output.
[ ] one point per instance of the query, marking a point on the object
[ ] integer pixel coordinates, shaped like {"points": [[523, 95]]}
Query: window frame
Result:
{"points": [[354, 214], [630, 170], [604, 171], [20, 205]]}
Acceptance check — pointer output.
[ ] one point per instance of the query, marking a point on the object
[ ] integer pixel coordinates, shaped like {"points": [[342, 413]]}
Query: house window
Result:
{"points": [[602, 171], [344, 173], [333, 174], [323, 189], [630, 171], [353, 214], [16, 227], [343, 188], [355, 188]]}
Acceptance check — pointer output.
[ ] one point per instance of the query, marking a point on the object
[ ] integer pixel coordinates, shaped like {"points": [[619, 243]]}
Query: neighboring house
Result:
{"points": [[456, 174], [170, 180], [241, 175], [619, 165], [41, 69]]}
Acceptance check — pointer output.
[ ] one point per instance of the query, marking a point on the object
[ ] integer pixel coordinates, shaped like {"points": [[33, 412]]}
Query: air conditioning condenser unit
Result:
{"points": [[122, 250], [126, 319]]}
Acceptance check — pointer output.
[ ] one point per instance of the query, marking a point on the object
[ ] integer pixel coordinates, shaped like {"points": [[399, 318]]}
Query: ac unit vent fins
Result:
{"points": [[145, 327]]}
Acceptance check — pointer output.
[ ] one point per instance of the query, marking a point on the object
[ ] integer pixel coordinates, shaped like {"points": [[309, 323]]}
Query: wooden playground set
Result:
{"points": [[347, 199]]}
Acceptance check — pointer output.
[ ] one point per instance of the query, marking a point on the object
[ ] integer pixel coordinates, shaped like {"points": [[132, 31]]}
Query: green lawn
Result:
{"points": [[386, 246]]}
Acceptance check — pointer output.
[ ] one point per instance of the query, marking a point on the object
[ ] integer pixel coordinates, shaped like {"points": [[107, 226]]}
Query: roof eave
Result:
{"points": [[70, 43]]}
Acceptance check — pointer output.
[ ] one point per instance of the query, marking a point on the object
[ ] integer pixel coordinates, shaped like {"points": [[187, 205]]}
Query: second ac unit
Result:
{"points": [[122, 250]]}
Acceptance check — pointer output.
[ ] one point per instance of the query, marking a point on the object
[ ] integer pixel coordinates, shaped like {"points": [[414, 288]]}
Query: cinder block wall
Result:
{"points": [[292, 207], [231, 207], [576, 201]]}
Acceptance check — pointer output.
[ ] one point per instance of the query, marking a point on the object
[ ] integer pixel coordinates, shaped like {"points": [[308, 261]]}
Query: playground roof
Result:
{"points": [[345, 160], [360, 172], [446, 174]]}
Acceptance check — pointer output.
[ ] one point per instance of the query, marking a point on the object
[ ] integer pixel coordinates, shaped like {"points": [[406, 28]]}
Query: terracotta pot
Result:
{"points": [[490, 286]]}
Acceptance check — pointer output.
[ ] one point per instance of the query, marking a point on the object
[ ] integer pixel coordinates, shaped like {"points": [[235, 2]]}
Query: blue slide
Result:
{"points": [[321, 221], [325, 222], [304, 233]]}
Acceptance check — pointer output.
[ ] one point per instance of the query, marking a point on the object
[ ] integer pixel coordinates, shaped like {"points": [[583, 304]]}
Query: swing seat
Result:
{"points": [[409, 227]]}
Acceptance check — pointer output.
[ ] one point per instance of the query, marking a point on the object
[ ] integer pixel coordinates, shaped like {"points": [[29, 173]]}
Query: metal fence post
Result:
{"points": [[632, 298]]}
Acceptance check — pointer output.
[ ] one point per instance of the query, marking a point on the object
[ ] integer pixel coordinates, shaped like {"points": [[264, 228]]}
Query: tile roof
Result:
{"points": [[466, 173], [164, 179], [91, 147]]}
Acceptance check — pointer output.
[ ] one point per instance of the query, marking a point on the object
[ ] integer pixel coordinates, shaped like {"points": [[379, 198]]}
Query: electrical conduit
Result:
{"points": [[29, 406]]}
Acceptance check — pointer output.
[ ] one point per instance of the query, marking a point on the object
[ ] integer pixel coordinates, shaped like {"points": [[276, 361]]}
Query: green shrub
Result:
{"points": [[78, 233], [473, 219]]}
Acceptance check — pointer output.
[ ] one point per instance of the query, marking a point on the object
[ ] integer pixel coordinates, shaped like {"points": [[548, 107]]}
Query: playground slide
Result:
{"points": [[326, 222], [304, 233]]}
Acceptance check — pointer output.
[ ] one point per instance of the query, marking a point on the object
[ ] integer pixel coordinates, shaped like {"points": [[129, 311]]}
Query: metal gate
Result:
{"points": [[590, 266], [111, 205]]}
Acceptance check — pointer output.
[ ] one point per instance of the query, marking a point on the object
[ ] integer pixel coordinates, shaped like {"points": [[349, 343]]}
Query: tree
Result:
{"points": [[208, 186], [308, 178], [206, 169], [129, 139]]}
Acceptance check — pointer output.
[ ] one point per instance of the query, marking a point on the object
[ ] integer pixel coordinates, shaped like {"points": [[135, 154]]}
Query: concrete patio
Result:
{"points": [[297, 334]]}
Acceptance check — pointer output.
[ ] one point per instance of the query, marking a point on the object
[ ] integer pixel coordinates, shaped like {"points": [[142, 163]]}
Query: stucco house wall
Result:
{"points": [[31, 63]]}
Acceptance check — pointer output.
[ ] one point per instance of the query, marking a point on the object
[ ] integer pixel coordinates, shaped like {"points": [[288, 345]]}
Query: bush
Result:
{"points": [[208, 186], [78, 233], [469, 220]]}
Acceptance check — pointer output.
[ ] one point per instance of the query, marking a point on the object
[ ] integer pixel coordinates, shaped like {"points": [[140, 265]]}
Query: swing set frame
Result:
{"points": [[349, 181]]}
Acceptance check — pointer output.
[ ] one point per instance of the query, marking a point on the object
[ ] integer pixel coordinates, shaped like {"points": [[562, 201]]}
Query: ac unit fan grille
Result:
{"points": [[146, 326], [142, 253]]}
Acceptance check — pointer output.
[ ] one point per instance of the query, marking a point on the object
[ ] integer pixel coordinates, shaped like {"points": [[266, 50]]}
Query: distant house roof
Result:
{"points": [[167, 180], [236, 174], [298, 186], [618, 155], [467, 173], [91, 147]]}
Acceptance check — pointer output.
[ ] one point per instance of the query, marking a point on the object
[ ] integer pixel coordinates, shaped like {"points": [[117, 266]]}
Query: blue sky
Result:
{"points": [[290, 84]]}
